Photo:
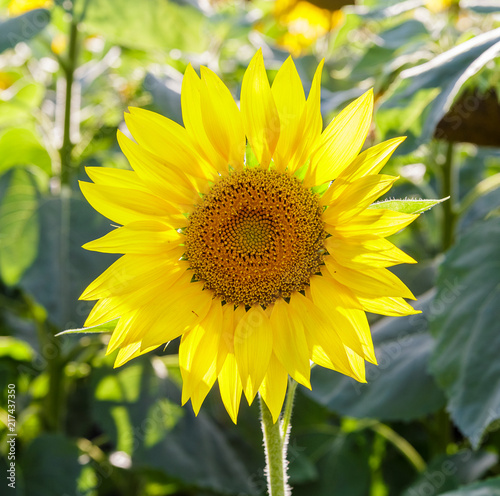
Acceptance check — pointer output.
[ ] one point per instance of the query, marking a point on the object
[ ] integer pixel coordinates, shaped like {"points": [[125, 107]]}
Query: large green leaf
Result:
{"points": [[19, 229], [490, 487], [63, 268], [141, 414], [423, 94], [447, 472], [21, 147], [149, 24], [399, 388], [50, 466], [464, 322], [22, 28]]}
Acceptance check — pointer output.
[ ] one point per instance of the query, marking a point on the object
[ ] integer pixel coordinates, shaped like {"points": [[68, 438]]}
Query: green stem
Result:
{"points": [[275, 450], [401, 444], [69, 74], [448, 190], [287, 415]]}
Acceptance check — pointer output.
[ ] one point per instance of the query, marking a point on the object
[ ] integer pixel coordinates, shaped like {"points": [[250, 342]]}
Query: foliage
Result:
{"points": [[426, 421]]}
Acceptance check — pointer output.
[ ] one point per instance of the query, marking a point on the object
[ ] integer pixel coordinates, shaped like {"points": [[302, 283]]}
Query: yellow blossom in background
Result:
{"points": [[17, 7], [305, 22], [6, 80], [231, 248], [59, 43], [437, 6]]}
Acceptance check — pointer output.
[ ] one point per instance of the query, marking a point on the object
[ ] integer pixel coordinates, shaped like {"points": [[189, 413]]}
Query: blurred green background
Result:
{"points": [[426, 422]]}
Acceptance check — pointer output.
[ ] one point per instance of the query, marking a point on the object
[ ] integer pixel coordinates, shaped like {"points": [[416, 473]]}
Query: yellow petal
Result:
{"points": [[273, 388], [133, 273], [344, 313], [322, 338], [362, 254], [230, 386], [191, 115], [165, 138], [222, 119], [153, 311], [369, 162], [289, 342], [290, 100], [179, 312], [388, 305], [164, 179], [312, 125], [368, 282], [198, 357], [123, 205], [357, 365], [131, 351], [141, 237], [379, 222], [260, 116], [342, 140], [357, 197], [253, 347], [120, 332], [227, 334], [118, 178]]}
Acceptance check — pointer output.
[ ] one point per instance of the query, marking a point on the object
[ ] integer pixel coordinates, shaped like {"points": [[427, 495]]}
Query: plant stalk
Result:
{"points": [[275, 451], [276, 444], [69, 74]]}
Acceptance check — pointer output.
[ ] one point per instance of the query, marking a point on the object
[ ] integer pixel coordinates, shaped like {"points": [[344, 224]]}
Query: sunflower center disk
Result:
{"points": [[256, 236]]}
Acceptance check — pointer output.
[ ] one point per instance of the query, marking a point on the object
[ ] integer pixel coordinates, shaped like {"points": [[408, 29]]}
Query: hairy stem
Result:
{"points": [[275, 450]]}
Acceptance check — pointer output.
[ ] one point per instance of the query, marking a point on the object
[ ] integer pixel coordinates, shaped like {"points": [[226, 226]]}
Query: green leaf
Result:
{"points": [[19, 227], [481, 6], [62, 268], [140, 412], [399, 388], [106, 327], [149, 24], [22, 28], [464, 322], [407, 206], [56, 472], [16, 349], [490, 487], [447, 472], [21, 147], [423, 94]]}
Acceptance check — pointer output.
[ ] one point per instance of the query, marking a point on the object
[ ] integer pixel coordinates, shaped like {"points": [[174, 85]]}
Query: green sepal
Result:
{"points": [[408, 206], [106, 327]]}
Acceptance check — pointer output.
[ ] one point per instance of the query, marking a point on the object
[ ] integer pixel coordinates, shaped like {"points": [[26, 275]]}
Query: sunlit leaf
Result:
{"points": [[149, 24], [106, 327], [407, 206], [423, 94], [19, 226]]}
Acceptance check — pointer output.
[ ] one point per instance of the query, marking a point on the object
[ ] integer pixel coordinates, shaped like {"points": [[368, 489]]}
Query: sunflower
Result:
{"points": [[262, 257], [17, 7], [305, 22]]}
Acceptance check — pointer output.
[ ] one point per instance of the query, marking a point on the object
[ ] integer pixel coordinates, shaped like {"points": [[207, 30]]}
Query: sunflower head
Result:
{"points": [[235, 251]]}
